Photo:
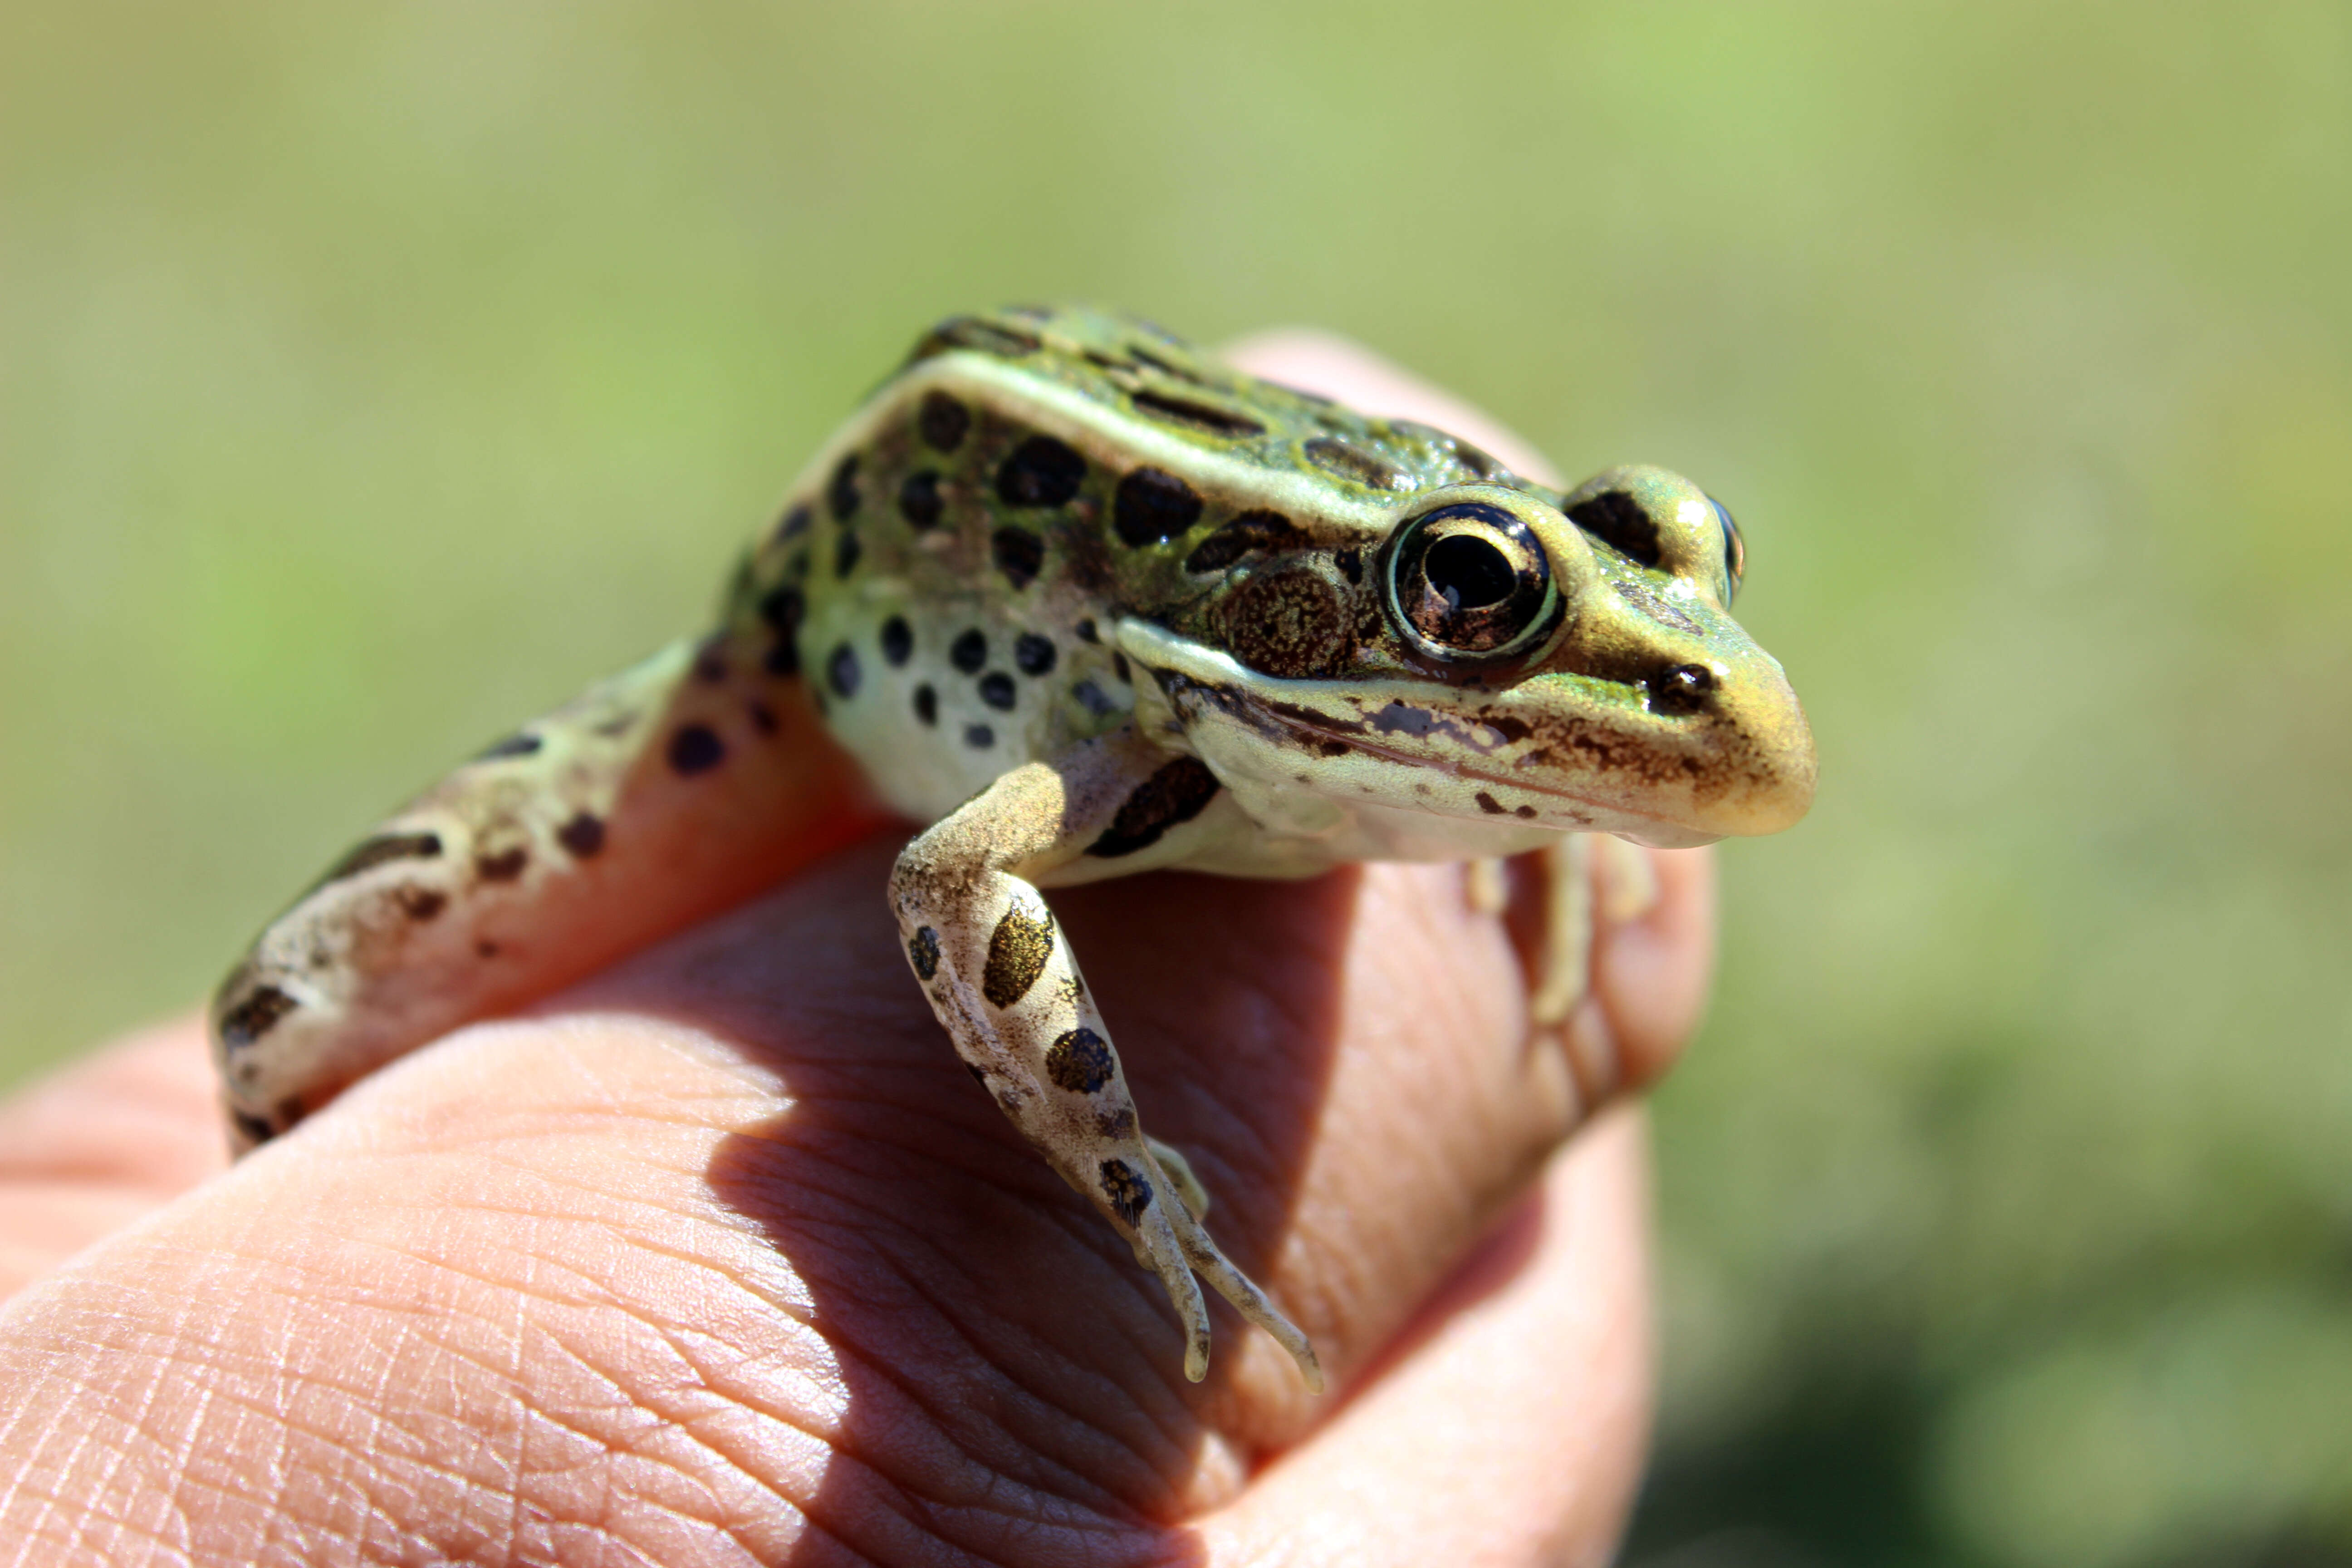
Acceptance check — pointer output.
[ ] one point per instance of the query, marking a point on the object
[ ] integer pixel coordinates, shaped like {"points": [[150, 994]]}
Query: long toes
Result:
{"points": [[1250, 1303], [1158, 1249]]}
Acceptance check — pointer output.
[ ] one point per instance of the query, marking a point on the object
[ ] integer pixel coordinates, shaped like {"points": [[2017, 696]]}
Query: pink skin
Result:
{"points": [[719, 1258]]}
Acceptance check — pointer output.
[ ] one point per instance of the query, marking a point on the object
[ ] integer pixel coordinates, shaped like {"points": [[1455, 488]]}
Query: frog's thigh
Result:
{"points": [[673, 789], [999, 975]]}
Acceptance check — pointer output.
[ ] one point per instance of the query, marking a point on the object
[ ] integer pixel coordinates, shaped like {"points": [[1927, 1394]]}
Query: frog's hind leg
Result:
{"points": [[1000, 975], [674, 789]]}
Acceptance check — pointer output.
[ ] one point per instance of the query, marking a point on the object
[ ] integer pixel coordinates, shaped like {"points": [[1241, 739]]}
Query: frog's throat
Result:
{"points": [[1394, 721]]}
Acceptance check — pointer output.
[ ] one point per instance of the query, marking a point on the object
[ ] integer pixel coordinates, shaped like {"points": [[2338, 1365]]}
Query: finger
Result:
{"points": [[1651, 973], [99, 1142], [1509, 1425]]}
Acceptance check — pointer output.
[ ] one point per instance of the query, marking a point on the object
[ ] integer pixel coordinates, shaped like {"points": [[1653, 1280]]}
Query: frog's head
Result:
{"points": [[1503, 656]]}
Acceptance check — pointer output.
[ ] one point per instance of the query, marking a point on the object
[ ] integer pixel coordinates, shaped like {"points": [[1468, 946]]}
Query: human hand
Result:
{"points": [[720, 1256]]}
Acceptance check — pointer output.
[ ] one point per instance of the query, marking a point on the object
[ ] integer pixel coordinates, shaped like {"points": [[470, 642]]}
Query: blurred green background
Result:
{"points": [[369, 376]]}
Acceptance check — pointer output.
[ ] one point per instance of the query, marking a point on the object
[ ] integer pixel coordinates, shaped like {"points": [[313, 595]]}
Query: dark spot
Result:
{"points": [[764, 718], [1510, 726], [942, 421], [1657, 607], [1488, 803], [1350, 563], [1040, 471], [1153, 506], [1019, 554], [1176, 794], [255, 1016], [583, 836], [1090, 698], [897, 641], [695, 749], [972, 333], [1617, 520], [784, 608], [1165, 367], [793, 524], [616, 726], [979, 737], [709, 667], [1119, 668], [484, 948], [968, 651], [783, 658], [1129, 1193], [1681, 688], [1080, 1061], [251, 1129], [923, 952], [382, 849], [522, 744], [1085, 631], [1017, 953], [927, 703], [841, 490], [503, 867], [1289, 624], [846, 551], [1337, 458], [842, 670], [918, 500], [420, 903], [1333, 748], [1477, 459], [1200, 415], [1524, 811], [1252, 530], [1033, 654], [996, 691]]}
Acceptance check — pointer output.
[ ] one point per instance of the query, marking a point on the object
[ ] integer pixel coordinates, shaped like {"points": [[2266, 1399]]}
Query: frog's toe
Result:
{"points": [[1158, 1249], [1247, 1300], [1179, 1172]]}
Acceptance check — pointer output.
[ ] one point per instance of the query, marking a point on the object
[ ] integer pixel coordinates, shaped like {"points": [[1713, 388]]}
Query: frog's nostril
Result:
{"points": [[1681, 688]]}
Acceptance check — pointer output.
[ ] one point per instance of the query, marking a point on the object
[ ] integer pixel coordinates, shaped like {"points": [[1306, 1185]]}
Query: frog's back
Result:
{"points": [[950, 568]]}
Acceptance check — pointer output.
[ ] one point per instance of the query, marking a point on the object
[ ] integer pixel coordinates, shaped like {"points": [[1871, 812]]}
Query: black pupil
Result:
{"points": [[1467, 571]]}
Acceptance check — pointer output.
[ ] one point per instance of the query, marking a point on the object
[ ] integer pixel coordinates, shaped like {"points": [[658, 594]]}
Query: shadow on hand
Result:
{"points": [[1004, 1365]]}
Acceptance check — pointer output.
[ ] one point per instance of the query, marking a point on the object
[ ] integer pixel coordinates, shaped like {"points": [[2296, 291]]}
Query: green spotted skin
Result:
{"points": [[950, 570], [1088, 603]]}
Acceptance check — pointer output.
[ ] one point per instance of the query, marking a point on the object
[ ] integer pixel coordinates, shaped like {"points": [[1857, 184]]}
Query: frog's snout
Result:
{"points": [[1748, 746]]}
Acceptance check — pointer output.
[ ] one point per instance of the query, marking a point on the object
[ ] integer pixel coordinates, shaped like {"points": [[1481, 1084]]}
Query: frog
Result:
{"points": [[1083, 602]]}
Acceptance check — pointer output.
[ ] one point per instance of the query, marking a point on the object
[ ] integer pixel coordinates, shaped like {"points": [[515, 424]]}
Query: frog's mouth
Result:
{"points": [[1559, 751]]}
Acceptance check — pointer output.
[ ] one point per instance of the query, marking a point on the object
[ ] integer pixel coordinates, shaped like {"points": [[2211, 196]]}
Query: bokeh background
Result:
{"points": [[371, 375]]}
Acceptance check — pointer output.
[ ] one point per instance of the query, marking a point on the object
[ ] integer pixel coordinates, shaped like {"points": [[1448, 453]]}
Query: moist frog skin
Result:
{"points": [[1088, 603]]}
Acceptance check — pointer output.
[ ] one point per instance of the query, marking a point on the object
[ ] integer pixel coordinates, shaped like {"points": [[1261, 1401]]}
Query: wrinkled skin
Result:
{"points": [[717, 1258]]}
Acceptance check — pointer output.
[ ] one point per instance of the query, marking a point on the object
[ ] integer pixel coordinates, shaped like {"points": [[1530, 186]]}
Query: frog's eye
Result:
{"points": [[1735, 552], [1469, 581]]}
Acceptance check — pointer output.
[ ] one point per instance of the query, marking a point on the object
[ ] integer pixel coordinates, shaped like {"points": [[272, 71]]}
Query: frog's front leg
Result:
{"points": [[1000, 975]]}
